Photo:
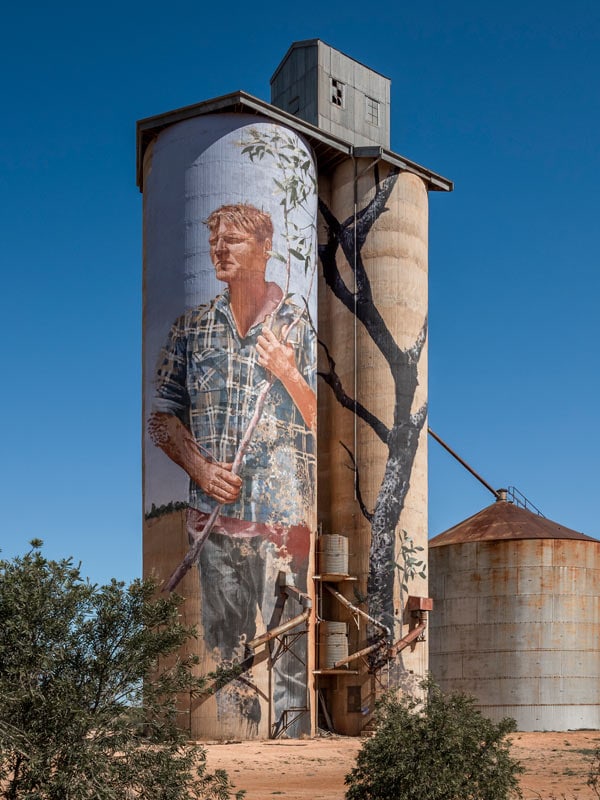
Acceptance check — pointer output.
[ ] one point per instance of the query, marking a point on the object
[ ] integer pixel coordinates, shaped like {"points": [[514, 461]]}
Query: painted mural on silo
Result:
{"points": [[230, 405], [373, 455]]}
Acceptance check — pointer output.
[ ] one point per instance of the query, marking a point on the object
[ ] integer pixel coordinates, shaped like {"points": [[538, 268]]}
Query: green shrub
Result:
{"points": [[440, 748], [80, 718], [593, 780]]}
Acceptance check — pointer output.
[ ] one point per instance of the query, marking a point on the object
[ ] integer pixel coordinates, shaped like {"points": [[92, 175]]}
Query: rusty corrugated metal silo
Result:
{"points": [[517, 620]]}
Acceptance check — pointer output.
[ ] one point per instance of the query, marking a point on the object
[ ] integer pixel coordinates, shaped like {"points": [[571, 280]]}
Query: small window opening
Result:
{"points": [[372, 111], [353, 698], [338, 93]]}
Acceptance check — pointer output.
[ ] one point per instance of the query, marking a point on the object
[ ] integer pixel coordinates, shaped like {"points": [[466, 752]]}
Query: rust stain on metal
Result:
{"points": [[502, 520]]}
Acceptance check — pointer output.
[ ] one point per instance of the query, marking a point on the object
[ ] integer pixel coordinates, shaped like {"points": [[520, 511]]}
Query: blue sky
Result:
{"points": [[501, 98]]}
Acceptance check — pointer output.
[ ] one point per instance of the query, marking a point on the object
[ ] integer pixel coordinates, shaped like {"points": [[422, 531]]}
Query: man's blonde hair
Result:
{"points": [[244, 216]]}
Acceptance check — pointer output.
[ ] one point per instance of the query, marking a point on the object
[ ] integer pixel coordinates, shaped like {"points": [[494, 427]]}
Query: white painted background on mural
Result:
{"points": [[195, 167]]}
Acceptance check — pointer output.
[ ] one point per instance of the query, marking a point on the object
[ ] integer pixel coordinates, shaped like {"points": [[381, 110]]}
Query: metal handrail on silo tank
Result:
{"points": [[519, 499]]}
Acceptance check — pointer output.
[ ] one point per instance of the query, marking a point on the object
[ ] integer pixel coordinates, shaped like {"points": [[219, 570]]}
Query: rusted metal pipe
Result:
{"points": [[345, 602], [410, 637], [304, 599], [285, 626], [360, 653], [463, 462]]}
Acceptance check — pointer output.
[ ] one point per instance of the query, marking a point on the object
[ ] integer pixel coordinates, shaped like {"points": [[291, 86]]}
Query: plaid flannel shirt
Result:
{"points": [[210, 378]]}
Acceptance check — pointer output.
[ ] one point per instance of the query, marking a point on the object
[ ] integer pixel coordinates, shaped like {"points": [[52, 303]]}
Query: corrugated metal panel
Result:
{"points": [[546, 718], [524, 639], [503, 520], [330, 150]]}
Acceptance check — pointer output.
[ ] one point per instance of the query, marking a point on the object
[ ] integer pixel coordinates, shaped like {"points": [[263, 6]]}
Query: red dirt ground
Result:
{"points": [[556, 765]]}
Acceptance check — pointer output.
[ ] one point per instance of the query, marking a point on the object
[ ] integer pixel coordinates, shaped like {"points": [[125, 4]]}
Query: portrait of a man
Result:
{"points": [[217, 359]]}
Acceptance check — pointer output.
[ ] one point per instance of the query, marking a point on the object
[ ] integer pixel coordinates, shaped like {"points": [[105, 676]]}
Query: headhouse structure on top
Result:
{"points": [[334, 92]]}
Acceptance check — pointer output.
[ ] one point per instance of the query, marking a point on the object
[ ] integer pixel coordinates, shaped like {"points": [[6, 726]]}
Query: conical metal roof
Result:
{"points": [[504, 521]]}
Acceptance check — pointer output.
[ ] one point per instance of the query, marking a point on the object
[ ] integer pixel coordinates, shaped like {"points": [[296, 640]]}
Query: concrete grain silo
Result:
{"points": [[517, 620], [372, 445], [395, 257], [229, 437], [235, 520]]}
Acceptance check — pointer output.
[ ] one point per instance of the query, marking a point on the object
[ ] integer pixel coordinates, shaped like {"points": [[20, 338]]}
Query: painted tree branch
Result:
{"points": [[327, 254], [394, 487], [403, 437], [413, 354], [368, 515], [333, 380], [366, 218], [350, 236]]}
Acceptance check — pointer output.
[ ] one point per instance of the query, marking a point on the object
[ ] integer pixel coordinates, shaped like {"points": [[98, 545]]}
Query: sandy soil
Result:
{"points": [[556, 765]]}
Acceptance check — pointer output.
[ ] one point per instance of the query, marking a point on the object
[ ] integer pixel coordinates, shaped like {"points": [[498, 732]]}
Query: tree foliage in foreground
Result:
{"points": [[441, 748], [593, 780], [79, 719]]}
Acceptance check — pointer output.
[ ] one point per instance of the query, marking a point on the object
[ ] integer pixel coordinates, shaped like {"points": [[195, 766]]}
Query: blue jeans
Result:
{"points": [[238, 576]]}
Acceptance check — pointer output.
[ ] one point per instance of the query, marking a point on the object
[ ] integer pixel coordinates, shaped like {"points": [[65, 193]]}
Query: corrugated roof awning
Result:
{"points": [[329, 150]]}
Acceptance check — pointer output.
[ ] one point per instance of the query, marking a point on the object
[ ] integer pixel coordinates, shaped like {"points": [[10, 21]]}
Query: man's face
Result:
{"points": [[236, 254]]}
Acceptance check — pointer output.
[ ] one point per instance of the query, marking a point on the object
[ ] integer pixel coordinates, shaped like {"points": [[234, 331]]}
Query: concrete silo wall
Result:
{"points": [[230, 408], [517, 624], [373, 454]]}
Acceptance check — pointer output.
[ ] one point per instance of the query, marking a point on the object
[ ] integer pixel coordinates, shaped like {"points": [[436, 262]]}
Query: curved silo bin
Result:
{"points": [[230, 406], [373, 455], [333, 642], [333, 554], [517, 620]]}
